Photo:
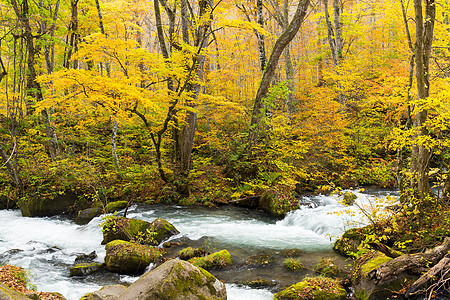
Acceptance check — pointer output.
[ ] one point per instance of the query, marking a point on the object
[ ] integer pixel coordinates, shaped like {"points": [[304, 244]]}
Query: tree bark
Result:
{"points": [[261, 44], [414, 263], [281, 43], [11, 169], [420, 154]]}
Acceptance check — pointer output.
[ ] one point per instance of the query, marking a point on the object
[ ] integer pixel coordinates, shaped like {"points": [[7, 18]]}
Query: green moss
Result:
{"points": [[374, 263], [215, 260], [130, 258], [293, 264], [317, 288], [114, 243], [348, 244], [115, 206], [327, 267], [189, 252]]}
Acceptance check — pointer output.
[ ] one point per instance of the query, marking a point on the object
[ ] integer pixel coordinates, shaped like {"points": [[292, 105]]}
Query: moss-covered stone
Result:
{"points": [[189, 252], [120, 228], [84, 269], [366, 288], [176, 279], [260, 260], [112, 207], [268, 204], [317, 288], [109, 292], [327, 267], [86, 215], [348, 244], [215, 260], [349, 198], [47, 206], [293, 264], [130, 258]]}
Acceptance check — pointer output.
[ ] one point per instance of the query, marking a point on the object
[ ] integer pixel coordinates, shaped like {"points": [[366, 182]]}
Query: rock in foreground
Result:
{"points": [[176, 279]]}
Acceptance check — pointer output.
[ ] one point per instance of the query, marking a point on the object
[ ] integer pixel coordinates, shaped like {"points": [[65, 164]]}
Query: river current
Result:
{"points": [[47, 247]]}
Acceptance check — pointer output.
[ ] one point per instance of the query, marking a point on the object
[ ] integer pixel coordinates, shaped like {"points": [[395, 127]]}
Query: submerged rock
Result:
{"points": [[260, 283], [84, 269], [83, 258], [86, 215], [109, 292], [216, 260], [176, 279], [317, 288], [130, 258], [120, 228]]}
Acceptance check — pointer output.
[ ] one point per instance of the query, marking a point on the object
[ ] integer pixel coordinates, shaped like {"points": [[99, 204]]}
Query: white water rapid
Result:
{"points": [[47, 247]]}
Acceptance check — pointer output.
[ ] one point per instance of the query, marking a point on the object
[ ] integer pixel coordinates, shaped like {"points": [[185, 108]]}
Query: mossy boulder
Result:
{"points": [[86, 215], [189, 252], [84, 269], [176, 279], [366, 288], [49, 205], [268, 203], [349, 198], [216, 260], [112, 207], [348, 244], [130, 258], [293, 264], [327, 267], [120, 228], [109, 292], [317, 288]]}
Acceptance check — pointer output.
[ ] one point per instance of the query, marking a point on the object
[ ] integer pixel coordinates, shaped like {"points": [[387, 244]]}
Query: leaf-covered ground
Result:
{"points": [[16, 279]]}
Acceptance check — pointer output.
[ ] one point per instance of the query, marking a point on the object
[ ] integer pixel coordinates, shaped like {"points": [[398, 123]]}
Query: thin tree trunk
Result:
{"points": [[11, 169], [261, 45], [281, 43]]}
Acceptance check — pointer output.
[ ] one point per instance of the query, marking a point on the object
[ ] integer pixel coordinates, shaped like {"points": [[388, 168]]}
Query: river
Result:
{"points": [[47, 247]]}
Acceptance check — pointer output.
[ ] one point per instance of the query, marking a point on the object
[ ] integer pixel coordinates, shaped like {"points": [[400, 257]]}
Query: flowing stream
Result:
{"points": [[47, 247]]}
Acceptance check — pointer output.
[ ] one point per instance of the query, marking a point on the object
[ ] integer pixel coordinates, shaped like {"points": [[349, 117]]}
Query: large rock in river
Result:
{"points": [[120, 228], [47, 206], [130, 258], [176, 279]]}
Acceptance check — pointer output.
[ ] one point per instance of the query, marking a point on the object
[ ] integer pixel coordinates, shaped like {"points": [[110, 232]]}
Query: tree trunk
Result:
{"points": [[281, 43], [261, 45], [188, 133], [420, 154], [33, 88], [11, 169]]}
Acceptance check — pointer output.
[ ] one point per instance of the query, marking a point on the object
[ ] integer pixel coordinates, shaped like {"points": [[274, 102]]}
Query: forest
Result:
{"points": [[212, 102]]}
